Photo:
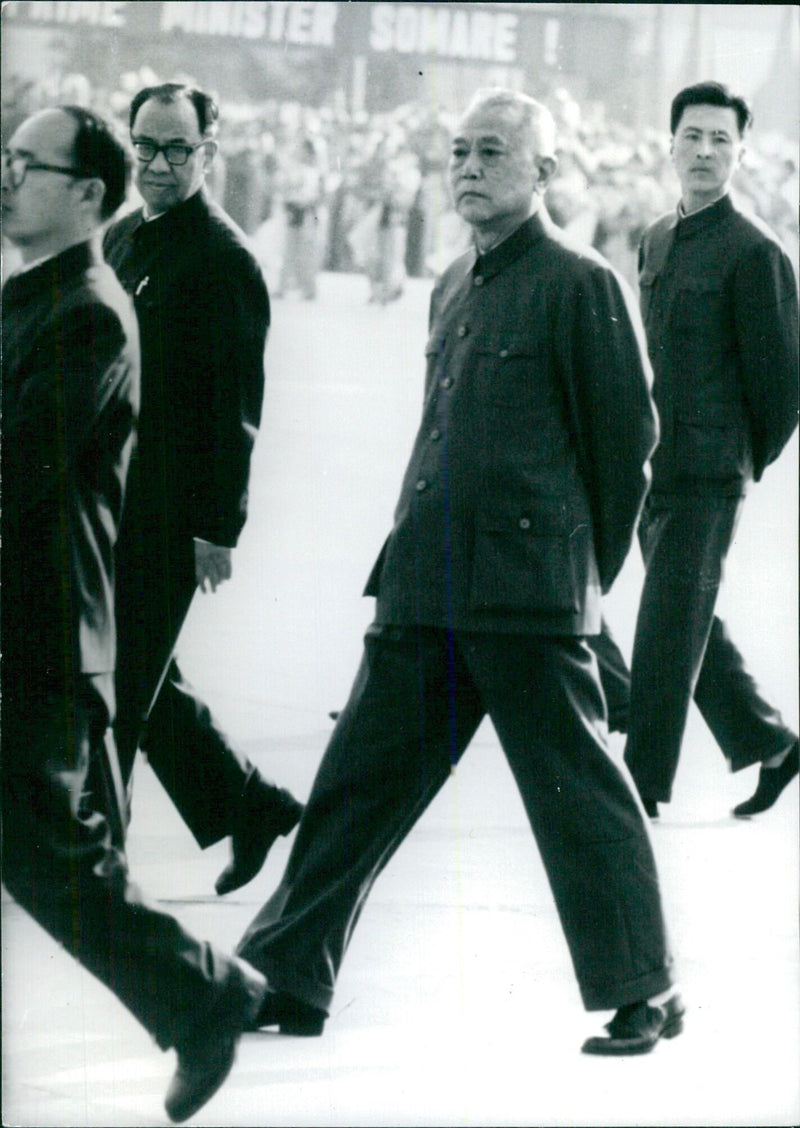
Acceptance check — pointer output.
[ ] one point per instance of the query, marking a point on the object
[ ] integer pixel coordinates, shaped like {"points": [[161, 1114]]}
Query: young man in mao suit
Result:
{"points": [[719, 302]]}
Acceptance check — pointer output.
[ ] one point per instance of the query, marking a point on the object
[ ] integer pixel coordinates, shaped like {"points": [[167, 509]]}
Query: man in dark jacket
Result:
{"points": [[70, 394], [517, 510], [719, 301], [203, 314]]}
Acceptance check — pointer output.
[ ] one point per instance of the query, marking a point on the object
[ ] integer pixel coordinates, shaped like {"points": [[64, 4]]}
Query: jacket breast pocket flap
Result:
{"points": [[699, 305], [508, 345], [523, 560], [508, 364], [710, 284]]}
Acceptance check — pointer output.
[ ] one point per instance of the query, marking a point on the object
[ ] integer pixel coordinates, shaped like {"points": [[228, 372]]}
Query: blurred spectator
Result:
{"points": [[250, 169], [301, 188], [378, 241]]}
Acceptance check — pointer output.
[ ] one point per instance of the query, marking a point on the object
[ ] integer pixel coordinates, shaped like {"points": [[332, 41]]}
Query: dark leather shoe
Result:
{"points": [[771, 782], [207, 1052], [636, 1028], [291, 1015], [260, 822]]}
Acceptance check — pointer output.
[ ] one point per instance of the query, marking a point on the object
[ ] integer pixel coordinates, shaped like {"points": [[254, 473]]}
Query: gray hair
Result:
{"points": [[531, 115]]}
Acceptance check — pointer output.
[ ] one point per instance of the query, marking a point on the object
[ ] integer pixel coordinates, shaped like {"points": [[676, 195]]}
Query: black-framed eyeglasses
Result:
{"points": [[20, 164], [147, 151]]}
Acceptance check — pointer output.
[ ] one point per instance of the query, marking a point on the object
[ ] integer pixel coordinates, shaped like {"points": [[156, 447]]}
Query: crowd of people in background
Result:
{"points": [[319, 188]]}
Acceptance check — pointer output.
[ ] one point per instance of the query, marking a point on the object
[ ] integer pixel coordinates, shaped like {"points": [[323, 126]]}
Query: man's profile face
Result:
{"points": [[492, 168], [706, 150], [161, 184], [36, 213]]}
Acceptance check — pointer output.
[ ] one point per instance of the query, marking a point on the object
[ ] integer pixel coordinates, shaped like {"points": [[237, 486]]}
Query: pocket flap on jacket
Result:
{"points": [[707, 285], [542, 515], [523, 569], [505, 345]]}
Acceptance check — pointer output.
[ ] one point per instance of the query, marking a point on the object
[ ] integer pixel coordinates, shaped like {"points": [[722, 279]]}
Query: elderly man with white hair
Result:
{"points": [[516, 513]]}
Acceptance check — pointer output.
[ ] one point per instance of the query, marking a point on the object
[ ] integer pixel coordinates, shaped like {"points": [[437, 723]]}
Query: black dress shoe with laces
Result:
{"points": [[291, 1015], [207, 1051], [263, 818], [637, 1027], [771, 782]]}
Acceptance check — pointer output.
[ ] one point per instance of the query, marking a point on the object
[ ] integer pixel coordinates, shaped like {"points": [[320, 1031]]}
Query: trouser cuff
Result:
{"points": [[739, 761], [612, 996]]}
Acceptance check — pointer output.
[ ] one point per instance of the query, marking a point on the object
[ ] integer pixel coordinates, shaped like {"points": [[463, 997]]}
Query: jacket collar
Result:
{"points": [[513, 246], [687, 226], [178, 221], [52, 274]]}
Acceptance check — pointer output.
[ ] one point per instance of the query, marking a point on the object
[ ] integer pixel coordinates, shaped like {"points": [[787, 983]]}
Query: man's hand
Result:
{"points": [[212, 564]]}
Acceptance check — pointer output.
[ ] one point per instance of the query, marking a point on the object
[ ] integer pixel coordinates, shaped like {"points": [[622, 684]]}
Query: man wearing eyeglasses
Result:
{"points": [[70, 395], [203, 313]]}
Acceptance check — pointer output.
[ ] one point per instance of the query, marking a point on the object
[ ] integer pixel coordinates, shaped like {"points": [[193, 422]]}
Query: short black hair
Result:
{"points": [[97, 151], [168, 92], [710, 94]]}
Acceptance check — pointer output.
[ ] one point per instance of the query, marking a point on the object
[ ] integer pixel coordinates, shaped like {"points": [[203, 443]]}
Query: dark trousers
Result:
{"points": [[683, 650], [157, 709], [418, 699], [61, 867], [615, 677]]}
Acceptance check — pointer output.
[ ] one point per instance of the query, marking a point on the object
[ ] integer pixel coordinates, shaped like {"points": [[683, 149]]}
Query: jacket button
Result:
{"points": [[435, 434], [421, 485], [447, 382], [478, 280], [504, 353], [524, 522], [463, 330]]}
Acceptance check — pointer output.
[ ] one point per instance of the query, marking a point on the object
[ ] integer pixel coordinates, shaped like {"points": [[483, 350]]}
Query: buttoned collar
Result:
{"points": [[51, 274], [513, 246], [178, 221], [698, 222]]}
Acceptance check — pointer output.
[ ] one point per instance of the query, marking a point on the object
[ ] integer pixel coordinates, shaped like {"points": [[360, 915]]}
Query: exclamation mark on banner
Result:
{"points": [[551, 29]]}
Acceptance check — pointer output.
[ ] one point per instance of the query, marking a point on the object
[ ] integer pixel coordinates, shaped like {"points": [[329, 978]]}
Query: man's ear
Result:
{"points": [[210, 149], [92, 191], [546, 168]]}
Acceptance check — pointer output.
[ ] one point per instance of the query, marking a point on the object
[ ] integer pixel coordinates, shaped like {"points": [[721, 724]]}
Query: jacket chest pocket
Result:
{"points": [[151, 294], [510, 369], [699, 310], [520, 405], [172, 293]]}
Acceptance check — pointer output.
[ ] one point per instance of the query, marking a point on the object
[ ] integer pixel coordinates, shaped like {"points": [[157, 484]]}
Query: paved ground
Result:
{"points": [[456, 1005]]}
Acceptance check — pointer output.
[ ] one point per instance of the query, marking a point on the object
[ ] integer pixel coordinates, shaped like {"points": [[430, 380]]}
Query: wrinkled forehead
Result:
{"points": [[48, 136], [494, 123]]}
